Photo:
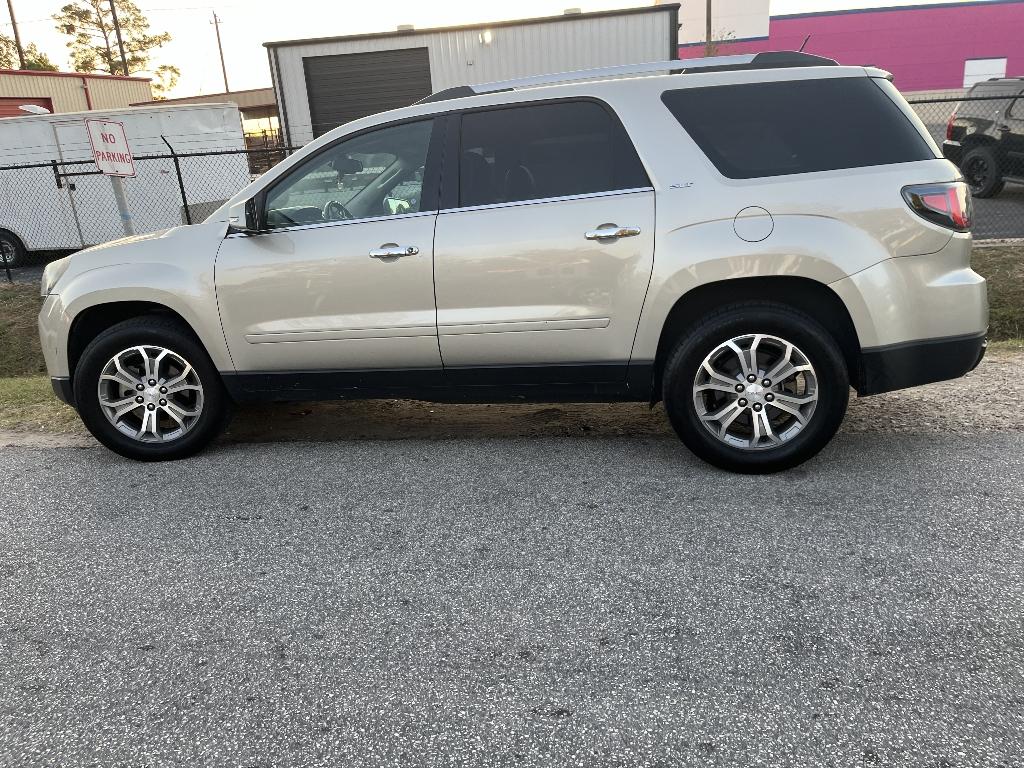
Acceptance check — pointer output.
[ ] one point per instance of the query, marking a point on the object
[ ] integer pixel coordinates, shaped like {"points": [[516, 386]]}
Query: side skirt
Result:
{"points": [[615, 382]]}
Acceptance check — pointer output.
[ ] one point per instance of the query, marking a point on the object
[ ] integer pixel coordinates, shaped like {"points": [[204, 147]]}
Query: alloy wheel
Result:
{"points": [[755, 392], [151, 394]]}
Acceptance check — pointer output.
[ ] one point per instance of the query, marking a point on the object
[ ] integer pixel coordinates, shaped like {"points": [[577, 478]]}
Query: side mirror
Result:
{"points": [[242, 217]]}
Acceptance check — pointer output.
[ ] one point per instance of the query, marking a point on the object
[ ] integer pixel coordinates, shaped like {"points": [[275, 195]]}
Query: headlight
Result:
{"points": [[53, 272]]}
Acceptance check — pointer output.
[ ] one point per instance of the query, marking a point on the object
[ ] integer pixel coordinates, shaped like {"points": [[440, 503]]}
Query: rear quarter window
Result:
{"points": [[752, 130]]}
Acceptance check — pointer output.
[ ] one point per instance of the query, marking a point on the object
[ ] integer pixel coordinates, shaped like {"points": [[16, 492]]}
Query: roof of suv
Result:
{"points": [[764, 60]]}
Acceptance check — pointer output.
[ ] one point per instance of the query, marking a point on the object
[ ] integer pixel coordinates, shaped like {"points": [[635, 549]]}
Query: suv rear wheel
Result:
{"points": [[147, 390], [756, 388], [981, 172]]}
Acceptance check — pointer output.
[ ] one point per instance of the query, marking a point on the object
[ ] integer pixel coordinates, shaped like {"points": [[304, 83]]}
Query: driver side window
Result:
{"points": [[374, 174]]}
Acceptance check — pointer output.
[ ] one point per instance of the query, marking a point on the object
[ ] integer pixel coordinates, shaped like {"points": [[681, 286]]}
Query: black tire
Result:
{"points": [[980, 167], [736, 320], [12, 252], [156, 331]]}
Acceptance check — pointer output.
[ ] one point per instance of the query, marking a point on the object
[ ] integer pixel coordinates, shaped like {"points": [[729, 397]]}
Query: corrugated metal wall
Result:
{"points": [[68, 95], [459, 57]]}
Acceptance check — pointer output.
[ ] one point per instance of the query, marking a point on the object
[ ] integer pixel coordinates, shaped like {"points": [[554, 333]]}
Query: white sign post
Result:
{"points": [[114, 159]]}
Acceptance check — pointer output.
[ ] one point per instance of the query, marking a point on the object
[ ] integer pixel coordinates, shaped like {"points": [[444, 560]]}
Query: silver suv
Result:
{"points": [[742, 237]]}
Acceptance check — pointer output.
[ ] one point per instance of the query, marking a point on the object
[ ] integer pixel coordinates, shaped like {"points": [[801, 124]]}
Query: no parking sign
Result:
{"points": [[110, 148]]}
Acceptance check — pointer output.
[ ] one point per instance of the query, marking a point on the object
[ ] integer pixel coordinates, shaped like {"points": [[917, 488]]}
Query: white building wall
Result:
{"points": [[730, 19], [459, 57]]}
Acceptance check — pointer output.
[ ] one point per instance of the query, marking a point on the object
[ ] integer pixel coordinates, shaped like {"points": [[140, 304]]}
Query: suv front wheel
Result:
{"points": [[756, 388], [147, 390]]}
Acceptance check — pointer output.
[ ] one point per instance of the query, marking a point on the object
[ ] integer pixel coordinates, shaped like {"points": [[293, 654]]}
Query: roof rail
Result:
{"points": [[764, 60]]}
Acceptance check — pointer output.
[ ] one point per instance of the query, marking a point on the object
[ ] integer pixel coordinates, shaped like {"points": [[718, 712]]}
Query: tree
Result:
{"points": [[713, 47], [93, 43], [34, 58]]}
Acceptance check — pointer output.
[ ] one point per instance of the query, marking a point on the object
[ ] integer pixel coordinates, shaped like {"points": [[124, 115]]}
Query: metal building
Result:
{"points": [[68, 91], [324, 82]]}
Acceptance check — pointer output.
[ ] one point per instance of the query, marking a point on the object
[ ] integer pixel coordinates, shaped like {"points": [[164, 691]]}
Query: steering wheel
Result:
{"points": [[335, 211]]}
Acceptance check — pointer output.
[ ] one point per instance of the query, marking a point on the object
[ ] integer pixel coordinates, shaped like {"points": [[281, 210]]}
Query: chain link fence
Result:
{"points": [[985, 137], [65, 206]]}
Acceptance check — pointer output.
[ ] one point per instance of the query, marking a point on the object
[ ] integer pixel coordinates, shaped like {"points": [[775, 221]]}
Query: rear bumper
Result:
{"points": [[910, 364], [952, 151]]}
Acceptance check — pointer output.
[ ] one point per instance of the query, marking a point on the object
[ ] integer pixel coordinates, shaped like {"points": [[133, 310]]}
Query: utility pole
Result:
{"points": [[17, 37], [120, 43], [224, 70], [707, 30]]}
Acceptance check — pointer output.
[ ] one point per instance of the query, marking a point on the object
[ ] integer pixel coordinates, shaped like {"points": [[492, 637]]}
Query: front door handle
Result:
{"points": [[393, 251], [611, 232]]}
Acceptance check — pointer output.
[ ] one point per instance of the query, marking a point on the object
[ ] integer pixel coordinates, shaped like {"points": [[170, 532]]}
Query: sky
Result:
{"points": [[247, 24]]}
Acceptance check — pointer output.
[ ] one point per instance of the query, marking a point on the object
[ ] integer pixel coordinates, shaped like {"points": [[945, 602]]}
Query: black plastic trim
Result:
{"points": [[597, 382], [913, 363], [63, 390]]}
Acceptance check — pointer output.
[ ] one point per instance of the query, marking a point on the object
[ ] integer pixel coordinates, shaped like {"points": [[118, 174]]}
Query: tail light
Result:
{"points": [[948, 205], [949, 126]]}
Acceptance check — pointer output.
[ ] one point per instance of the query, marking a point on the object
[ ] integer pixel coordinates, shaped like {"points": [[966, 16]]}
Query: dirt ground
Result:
{"points": [[991, 399]]}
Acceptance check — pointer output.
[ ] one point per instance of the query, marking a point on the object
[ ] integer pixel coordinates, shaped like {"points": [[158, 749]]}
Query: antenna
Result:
{"points": [[801, 48]]}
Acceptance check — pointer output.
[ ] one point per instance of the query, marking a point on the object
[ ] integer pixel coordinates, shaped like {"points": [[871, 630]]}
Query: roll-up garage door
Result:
{"points": [[353, 85]]}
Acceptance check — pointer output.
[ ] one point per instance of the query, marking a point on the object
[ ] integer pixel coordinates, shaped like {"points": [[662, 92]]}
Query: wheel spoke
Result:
{"points": [[175, 409], [742, 357]]}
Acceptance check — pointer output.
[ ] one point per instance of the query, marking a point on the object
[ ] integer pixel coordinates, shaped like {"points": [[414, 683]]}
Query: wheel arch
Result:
{"points": [[95, 319], [804, 294]]}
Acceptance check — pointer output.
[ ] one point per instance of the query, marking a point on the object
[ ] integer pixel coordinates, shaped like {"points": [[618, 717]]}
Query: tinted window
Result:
{"points": [[1016, 110], [770, 129], [547, 150], [374, 174]]}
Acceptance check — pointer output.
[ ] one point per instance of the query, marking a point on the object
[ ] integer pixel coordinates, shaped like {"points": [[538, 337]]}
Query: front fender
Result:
{"points": [[191, 295]]}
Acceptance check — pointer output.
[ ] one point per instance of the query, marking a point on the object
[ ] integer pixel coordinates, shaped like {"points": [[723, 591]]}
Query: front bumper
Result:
{"points": [[62, 389], [913, 363]]}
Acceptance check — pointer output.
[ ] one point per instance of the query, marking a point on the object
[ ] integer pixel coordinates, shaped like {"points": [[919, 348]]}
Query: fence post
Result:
{"points": [[181, 182]]}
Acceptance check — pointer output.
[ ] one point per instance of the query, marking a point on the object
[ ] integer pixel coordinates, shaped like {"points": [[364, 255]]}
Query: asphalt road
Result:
{"points": [[555, 601]]}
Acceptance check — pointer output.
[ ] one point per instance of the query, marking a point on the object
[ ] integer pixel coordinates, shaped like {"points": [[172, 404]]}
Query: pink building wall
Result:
{"points": [[925, 47]]}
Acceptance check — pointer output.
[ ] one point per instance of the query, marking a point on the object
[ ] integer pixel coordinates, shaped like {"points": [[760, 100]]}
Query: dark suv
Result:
{"points": [[985, 135]]}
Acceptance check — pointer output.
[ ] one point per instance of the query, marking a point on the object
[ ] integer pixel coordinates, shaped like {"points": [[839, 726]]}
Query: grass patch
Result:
{"points": [[20, 354], [27, 403], [1003, 267]]}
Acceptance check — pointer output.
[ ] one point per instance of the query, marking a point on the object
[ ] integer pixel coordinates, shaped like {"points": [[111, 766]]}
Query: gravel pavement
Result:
{"points": [[514, 601]]}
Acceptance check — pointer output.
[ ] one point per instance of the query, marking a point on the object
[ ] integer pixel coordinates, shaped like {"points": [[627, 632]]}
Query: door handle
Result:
{"points": [[611, 232], [393, 251]]}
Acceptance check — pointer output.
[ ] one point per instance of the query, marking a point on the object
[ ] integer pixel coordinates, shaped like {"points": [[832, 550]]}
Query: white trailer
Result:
{"points": [[51, 197]]}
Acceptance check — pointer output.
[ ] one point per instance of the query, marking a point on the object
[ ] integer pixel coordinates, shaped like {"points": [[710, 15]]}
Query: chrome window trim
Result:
{"points": [[324, 224], [541, 200]]}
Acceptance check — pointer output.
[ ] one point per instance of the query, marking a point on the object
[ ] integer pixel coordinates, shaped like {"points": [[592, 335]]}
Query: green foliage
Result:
{"points": [[34, 58], [93, 42]]}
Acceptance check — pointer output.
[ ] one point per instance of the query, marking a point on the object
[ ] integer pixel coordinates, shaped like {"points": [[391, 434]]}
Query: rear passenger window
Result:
{"points": [[544, 150], [798, 126]]}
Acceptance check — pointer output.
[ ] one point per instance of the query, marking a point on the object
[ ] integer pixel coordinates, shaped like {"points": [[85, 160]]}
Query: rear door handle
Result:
{"points": [[611, 232], [393, 251]]}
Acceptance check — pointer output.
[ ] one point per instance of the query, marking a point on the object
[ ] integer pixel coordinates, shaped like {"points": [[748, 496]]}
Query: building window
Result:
{"points": [[978, 70]]}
